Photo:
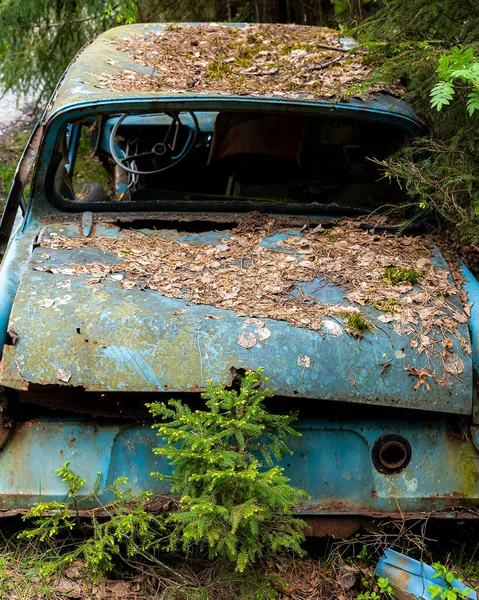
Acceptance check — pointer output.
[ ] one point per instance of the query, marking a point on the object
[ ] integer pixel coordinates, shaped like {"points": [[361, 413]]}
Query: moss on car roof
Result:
{"points": [[257, 59], [260, 60]]}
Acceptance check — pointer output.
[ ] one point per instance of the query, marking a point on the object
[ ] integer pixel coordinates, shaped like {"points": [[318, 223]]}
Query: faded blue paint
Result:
{"points": [[331, 461], [322, 290], [81, 86], [138, 362], [54, 126], [37, 448], [411, 579], [273, 241], [138, 340], [472, 288], [11, 269]]}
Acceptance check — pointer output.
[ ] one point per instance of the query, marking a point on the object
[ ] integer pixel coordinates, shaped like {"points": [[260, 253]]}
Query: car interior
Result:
{"points": [[282, 158]]}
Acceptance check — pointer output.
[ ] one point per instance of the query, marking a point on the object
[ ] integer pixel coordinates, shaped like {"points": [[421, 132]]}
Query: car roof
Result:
{"points": [[311, 65]]}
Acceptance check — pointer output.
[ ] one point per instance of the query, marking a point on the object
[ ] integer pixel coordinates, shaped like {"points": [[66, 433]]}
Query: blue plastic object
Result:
{"points": [[412, 578]]}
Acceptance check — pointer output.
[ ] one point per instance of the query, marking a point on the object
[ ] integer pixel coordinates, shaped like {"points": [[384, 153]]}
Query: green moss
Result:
{"points": [[249, 52], [218, 69], [244, 62], [288, 48], [383, 305], [87, 167], [469, 476], [396, 275], [357, 324], [11, 148], [331, 237]]}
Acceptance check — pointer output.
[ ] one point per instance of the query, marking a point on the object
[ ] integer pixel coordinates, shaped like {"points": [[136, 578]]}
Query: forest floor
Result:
{"points": [[332, 570]]}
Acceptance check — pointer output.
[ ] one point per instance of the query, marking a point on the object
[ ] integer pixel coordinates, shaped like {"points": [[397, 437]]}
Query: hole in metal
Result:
{"points": [[391, 454]]}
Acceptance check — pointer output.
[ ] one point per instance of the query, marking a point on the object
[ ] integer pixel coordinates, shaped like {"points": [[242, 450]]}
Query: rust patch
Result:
{"points": [[7, 378], [340, 527]]}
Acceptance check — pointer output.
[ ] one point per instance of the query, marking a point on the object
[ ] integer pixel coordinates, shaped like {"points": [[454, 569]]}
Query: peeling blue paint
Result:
{"points": [[140, 340], [331, 461]]}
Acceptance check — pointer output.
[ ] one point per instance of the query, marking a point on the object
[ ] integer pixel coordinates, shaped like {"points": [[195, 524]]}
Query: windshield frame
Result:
{"points": [[57, 121]]}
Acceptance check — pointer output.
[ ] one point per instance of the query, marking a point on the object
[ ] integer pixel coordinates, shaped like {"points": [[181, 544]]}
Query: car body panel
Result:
{"points": [[135, 340], [330, 460], [73, 339]]}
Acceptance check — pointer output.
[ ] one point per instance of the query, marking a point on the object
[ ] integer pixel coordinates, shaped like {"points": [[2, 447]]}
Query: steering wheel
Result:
{"points": [[166, 148]]}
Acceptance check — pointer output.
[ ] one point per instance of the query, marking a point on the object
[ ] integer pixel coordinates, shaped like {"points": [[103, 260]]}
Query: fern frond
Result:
{"points": [[473, 102], [442, 94]]}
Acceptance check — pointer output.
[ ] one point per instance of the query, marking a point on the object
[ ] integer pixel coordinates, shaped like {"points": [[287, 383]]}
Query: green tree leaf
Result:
{"points": [[442, 94]]}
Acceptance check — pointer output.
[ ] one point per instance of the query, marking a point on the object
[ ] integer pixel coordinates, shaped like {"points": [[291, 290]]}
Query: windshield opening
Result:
{"points": [[283, 160]]}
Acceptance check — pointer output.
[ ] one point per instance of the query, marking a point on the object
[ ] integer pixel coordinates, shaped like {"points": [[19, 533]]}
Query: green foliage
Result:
{"points": [[420, 20], [388, 305], [74, 481], [441, 94], [383, 587], [357, 324], [87, 166], [38, 38], [11, 148], [413, 43], [234, 502], [397, 275], [449, 592], [458, 66], [442, 177], [129, 529]]}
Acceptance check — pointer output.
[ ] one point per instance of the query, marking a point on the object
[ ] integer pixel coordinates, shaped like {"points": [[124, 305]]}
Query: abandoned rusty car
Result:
{"points": [[201, 199]]}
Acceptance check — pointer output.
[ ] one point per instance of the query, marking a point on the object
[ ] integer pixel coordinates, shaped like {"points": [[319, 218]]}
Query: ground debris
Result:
{"points": [[259, 59]]}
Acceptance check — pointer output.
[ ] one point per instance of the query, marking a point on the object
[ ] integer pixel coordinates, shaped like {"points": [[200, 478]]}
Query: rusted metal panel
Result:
{"points": [[15, 195], [38, 447], [332, 461], [115, 339], [471, 287], [84, 81], [340, 527], [11, 269]]}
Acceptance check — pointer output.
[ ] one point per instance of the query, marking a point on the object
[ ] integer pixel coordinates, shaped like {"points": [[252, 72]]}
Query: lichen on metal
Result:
{"points": [[102, 318], [124, 317]]}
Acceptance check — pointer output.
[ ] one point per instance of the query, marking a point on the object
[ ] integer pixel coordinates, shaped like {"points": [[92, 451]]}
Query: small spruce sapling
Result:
{"points": [[235, 502], [131, 529]]}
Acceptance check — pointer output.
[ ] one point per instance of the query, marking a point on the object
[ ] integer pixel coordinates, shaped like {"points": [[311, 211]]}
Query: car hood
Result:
{"points": [[149, 311]]}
